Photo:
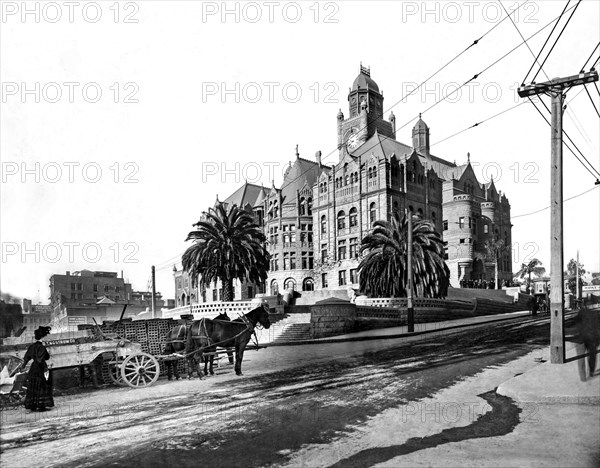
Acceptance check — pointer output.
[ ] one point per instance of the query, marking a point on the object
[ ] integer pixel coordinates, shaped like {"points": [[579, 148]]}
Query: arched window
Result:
{"points": [[289, 283], [433, 216], [372, 213], [374, 172], [410, 208], [274, 288], [346, 179], [302, 207], [341, 220], [323, 224], [309, 206], [308, 285], [420, 212], [369, 173], [353, 217], [355, 177]]}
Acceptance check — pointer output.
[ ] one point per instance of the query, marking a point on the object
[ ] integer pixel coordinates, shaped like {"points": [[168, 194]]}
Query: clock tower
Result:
{"points": [[365, 106]]}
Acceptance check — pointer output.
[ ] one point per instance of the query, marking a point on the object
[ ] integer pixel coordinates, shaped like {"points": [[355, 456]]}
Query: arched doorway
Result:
{"points": [[308, 285], [274, 288], [289, 283]]}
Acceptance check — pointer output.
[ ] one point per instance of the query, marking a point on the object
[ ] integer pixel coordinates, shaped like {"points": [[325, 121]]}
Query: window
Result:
{"points": [[308, 285], [302, 206], [289, 284], [307, 261], [461, 222], [353, 217], [323, 253], [96, 286], [214, 294], [354, 247], [73, 296], [72, 286], [118, 289], [470, 223], [117, 298], [462, 241], [250, 292], [324, 280], [275, 262], [342, 250], [353, 276], [445, 222], [372, 213], [79, 287], [106, 288], [445, 253], [286, 261], [79, 295], [323, 225], [342, 277], [292, 260], [486, 229], [341, 220]]}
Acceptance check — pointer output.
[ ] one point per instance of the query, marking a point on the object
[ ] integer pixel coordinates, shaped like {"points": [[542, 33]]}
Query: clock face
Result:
{"points": [[353, 141]]}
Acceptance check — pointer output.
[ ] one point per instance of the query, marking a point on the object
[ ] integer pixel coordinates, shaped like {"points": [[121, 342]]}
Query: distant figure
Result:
{"points": [[39, 383], [352, 295], [587, 339]]}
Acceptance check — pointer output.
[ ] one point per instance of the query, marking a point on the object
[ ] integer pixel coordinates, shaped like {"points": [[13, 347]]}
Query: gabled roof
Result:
{"points": [[300, 173], [105, 300], [246, 194]]}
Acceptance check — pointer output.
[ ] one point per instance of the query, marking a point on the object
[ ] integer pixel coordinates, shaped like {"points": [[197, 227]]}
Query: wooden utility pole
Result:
{"points": [[556, 88], [153, 292], [577, 278], [410, 312]]}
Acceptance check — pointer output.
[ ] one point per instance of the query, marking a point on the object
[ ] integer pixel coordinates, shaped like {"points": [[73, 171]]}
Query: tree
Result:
{"points": [[383, 268], [228, 245], [533, 266], [492, 249], [571, 275]]}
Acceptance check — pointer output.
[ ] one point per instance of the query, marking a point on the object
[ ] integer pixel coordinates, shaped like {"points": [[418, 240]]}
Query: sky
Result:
{"points": [[121, 122]]}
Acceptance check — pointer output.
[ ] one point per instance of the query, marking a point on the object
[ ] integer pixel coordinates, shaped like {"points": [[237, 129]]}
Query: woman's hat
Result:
{"points": [[43, 331]]}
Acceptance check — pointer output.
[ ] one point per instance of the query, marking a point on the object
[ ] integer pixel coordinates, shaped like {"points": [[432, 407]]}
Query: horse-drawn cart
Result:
{"points": [[128, 364]]}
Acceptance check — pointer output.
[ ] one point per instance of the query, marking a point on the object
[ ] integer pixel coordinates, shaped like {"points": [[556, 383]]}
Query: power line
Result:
{"points": [[565, 143], [560, 34], [565, 200], [591, 100], [479, 123], [549, 36], [582, 132], [589, 58]]}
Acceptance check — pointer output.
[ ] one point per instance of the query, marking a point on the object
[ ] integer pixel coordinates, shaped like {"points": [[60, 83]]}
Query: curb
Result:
{"points": [[393, 336]]}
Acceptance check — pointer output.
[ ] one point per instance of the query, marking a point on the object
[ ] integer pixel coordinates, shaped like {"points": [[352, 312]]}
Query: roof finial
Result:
{"points": [[297, 154], [469, 158], [419, 115]]}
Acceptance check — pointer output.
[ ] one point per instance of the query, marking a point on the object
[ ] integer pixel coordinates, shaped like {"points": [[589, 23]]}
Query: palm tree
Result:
{"points": [[492, 249], [533, 266], [383, 269], [228, 245]]}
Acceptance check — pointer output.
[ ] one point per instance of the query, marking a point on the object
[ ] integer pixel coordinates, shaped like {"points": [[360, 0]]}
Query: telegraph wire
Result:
{"points": [[591, 100], [565, 143], [560, 34], [549, 36], [565, 200], [479, 123], [589, 58], [571, 113]]}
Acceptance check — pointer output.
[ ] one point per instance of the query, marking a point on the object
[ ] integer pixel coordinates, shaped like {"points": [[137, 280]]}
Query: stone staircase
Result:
{"points": [[291, 327], [294, 332]]}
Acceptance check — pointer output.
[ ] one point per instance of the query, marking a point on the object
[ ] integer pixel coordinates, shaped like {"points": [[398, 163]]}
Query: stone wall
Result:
{"points": [[331, 318]]}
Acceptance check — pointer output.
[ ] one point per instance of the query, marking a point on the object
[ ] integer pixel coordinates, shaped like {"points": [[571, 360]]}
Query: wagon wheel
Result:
{"points": [[114, 372], [140, 370]]}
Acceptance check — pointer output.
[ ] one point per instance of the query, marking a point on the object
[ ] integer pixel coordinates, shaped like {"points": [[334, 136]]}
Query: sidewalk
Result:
{"points": [[401, 332], [554, 383]]}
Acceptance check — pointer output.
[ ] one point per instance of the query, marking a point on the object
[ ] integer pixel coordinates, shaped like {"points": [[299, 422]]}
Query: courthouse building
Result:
{"points": [[316, 220]]}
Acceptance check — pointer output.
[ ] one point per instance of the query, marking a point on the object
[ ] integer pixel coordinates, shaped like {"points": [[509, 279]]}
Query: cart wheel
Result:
{"points": [[140, 370], [115, 374]]}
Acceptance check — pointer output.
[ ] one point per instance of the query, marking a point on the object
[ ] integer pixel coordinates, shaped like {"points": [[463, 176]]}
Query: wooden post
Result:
{"points": [[557, 344], [409, 284], [153, 292], [556, 88]]}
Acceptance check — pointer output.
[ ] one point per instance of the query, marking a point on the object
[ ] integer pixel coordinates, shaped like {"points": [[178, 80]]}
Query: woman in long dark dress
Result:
{"points": [[39, 387]]}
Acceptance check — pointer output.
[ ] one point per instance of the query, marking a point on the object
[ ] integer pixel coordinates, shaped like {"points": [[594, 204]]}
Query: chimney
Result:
{"points": [[68, 273], [318, 157]]}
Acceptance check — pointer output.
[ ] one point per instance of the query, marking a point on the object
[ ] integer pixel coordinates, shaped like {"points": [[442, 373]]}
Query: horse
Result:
{"points": [[211, 358], [206, 334], [176, 342]]}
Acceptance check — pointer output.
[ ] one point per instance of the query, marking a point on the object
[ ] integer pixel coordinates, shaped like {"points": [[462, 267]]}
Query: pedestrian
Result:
{"points": [[39, 383], [587, 340]]}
